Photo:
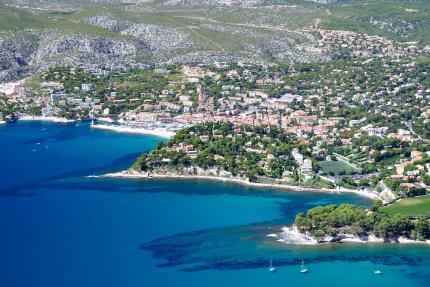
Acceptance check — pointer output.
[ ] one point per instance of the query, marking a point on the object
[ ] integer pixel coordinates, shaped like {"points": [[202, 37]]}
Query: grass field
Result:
{"points": [[415, 206], [335, 166]]}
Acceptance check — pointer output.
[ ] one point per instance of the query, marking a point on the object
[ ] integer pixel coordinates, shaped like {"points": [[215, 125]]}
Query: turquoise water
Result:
{"points": [[61, 228]]}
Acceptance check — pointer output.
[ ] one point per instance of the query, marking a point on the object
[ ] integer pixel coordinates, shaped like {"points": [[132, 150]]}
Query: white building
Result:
{"points": [[47, 112], [377, 131], [87, 87], [298, 157], [146, 117], [307, 166]]}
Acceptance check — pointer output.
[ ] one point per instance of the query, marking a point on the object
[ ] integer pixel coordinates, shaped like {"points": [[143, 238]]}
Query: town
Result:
{"points": [[353, 122]]}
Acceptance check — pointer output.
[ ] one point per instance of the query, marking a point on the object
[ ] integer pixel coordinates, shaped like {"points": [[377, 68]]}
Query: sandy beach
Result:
{"points": [[132, 174], [161, 132], [50, 119]]}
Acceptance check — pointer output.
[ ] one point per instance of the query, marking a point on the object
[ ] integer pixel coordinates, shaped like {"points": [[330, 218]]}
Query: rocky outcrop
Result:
{"points": [[16, 53], [242, 3], [159, 38], [52, 46], [29, 51], [108, 23]]}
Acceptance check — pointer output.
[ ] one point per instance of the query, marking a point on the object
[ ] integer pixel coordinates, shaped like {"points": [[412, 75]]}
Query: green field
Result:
{"points": [[414, 206], [335, 166]]}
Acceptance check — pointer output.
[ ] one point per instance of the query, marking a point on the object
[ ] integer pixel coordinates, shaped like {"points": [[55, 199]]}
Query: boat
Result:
{"points": [[378, 272], [303, 268], [271, 267]]}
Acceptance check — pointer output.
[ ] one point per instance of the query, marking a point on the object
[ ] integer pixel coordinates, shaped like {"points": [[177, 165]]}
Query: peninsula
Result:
{"points": [[264, 156], [348, 223]]}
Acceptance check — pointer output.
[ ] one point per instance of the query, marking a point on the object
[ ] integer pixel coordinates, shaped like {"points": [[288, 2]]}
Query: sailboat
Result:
{"points": [[271, 267], [303, 268]]}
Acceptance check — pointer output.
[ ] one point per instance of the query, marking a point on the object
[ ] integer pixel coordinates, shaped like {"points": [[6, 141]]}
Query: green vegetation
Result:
{"points": [[335, 220], [14, 19], [412, 207], [257, 153], [350, 89], [119, 91], [17, 19], [399, 20]]}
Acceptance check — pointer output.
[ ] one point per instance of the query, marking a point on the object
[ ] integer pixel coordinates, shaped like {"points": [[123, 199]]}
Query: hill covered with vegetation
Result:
{"points": [[113, 33], [339, 221], [257, 154]]}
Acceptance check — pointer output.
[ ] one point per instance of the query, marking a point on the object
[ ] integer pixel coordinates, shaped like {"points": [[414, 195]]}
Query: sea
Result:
{"points": [[61, 225]]}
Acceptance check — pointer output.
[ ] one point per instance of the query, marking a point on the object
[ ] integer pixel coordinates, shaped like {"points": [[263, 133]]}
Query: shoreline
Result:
{"points": [[48, 119], [132, 129], [161, 132], [137, 175], [291, 235]]}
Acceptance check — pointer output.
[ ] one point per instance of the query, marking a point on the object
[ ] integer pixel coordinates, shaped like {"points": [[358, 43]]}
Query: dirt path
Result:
{"points": [[245, 25]]}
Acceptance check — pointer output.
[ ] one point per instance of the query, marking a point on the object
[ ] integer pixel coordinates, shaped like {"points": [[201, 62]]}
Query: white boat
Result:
{"points": [[271, 267], [378, 272], [303, 268]]}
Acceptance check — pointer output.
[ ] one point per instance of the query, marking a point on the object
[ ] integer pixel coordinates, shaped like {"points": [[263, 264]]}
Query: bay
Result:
{"points": [[59, 227]]}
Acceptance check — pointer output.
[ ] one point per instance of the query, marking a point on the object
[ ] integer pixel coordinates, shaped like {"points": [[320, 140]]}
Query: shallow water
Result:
{"points": [[60, 228]]}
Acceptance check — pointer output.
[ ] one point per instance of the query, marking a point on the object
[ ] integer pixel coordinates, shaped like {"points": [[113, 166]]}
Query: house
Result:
{"points": [[192, 154], [376, 131], [307, 166], [86, 87], [298, 157], [47, 112], [146, 117], [56, 96], [270, 156], [287, 173], [204, 138], [258, 93], [227, 87]]}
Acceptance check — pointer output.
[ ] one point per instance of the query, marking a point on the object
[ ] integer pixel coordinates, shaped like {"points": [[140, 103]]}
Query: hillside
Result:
{"points": [[35, 34]]}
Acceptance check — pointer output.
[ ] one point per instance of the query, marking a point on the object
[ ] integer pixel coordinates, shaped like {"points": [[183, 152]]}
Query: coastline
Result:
{"points": [[137, 175], [291, 235], [42, 118], [161, 132]]}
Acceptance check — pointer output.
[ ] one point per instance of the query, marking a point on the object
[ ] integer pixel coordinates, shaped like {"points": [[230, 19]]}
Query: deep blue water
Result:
{"points": [[61, 228]]}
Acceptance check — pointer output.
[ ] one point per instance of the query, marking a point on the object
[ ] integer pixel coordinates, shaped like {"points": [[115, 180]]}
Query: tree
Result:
{"points": [[426, 179], [302, 223], [377, 203], [205, 159], [140, 163], [394, 226], [422, 229]]}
